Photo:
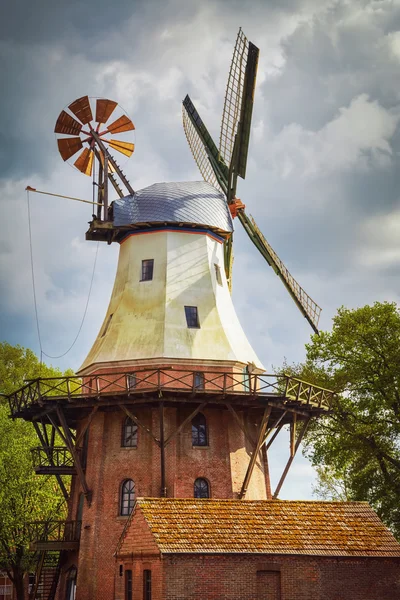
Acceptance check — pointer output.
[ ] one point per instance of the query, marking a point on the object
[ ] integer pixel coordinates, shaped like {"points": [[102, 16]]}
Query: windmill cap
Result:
{"points": [[190, 202]]}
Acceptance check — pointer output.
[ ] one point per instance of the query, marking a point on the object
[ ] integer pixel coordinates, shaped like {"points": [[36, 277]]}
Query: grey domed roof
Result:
{"points": [[191, 202]]}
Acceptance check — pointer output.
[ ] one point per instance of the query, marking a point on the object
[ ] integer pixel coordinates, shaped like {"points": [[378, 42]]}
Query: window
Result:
{"points": [[246, 379], [128, 585], [147, 584], [199, 381], [106, 327], [71, 584], [199, 430], [127, 497], [218, 274], [131, 381], [129, 433], [201, 488], [147, 270], [192, 318]]}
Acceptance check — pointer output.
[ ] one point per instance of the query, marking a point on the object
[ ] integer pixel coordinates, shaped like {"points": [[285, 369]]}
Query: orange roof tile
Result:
{"points": [[267, 526]]}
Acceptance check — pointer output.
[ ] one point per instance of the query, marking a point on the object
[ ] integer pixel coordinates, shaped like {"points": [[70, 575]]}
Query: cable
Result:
{"points": [[34, 294]]}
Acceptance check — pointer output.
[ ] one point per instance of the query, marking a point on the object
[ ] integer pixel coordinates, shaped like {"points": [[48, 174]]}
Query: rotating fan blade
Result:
{"points": [[120, 125], [104, 109], [67, 124], [84, 162], [124, 147], [238, 105], [69, 146], [205, 152], [81, 109], [310, 310]]}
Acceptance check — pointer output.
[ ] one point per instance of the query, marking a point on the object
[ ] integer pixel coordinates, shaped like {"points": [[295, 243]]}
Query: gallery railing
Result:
{"points": [[42, 391]]}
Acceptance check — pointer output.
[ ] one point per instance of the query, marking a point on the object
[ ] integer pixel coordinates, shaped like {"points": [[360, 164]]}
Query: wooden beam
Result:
{"points": [[184, 423], [250, 468], [241, 424], [276, 425], [77, 461], [138, 423], [271, 441], [87, 424], [293, 434], [50, 459], [289, 462]]}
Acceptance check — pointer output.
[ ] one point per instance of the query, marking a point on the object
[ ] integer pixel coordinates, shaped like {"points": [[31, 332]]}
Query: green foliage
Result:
{"points": [[24, 496], [358, 446]]}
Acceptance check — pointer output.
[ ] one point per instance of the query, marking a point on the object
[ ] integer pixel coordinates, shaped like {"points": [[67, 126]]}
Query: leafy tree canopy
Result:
{"points": [[357, 449], [24, 496]]}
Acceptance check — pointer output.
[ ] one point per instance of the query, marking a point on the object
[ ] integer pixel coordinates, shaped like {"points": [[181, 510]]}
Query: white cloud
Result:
{"points": [[358, 137]]}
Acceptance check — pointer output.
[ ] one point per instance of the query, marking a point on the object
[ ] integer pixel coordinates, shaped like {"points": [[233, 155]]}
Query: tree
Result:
{"points": [[24, 496], [357, 448]]}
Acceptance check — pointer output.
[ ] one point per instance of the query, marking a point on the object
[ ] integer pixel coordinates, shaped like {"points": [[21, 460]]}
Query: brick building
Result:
{"points": [[175, 549]]}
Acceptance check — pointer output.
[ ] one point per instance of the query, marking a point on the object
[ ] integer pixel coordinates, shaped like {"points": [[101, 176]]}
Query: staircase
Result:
{"points": [[47, 575]]}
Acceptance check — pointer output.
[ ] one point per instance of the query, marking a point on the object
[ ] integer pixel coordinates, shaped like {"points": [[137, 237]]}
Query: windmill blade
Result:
{"points": [[104, 109], [120, 125], [81, 109], [124, 147], [310, 310], [69, 146], [84, 162], [238, 105], [67, 124], [203, 147]]}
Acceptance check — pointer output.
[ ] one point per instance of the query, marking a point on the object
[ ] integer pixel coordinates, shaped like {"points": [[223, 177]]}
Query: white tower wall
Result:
{"points": [[145, 321]]}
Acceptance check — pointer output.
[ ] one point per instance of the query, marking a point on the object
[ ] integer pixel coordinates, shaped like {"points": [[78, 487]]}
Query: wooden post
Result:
{"points": [[78, 466], [250, 468], [289, 462]]}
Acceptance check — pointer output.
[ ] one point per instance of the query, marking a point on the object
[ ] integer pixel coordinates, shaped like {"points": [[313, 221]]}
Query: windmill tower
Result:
{"points": [[171, 400]]}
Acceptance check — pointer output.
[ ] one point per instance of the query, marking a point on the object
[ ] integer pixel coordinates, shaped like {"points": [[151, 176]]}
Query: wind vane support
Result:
{"points": [[31, 189]]}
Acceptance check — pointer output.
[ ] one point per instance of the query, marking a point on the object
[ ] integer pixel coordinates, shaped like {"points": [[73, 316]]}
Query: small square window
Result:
{"points": [[218, 274], [147, 269], [192, 317]]}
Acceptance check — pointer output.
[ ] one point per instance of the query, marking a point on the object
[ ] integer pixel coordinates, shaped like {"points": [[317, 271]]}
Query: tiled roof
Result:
{"points": [[267, 526], [192, 202]]}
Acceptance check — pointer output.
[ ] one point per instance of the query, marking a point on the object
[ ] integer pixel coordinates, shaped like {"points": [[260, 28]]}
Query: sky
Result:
{"points": [[322, 178]]}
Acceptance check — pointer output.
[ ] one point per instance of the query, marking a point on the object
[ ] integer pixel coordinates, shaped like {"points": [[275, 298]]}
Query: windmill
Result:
{"points": [[93, 136], [222, 166]]}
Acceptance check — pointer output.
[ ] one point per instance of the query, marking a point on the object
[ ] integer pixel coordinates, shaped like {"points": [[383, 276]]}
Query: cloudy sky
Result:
{"points": [[322, 179]]}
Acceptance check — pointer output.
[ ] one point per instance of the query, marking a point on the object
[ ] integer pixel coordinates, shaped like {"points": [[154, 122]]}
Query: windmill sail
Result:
{"points": [[238, 105], [203, 148], [310, 309]]}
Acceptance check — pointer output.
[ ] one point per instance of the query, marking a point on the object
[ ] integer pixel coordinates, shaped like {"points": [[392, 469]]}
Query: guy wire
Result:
{"points": [[35, 298]]}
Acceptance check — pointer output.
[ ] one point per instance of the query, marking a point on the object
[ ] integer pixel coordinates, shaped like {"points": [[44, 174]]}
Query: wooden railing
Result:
{"points": [[52, 456], [44, 391], [55, 531]]}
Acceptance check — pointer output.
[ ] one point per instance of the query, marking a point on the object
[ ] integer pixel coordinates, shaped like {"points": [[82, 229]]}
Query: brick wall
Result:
{"points": [[235, 577], [223, 462]]}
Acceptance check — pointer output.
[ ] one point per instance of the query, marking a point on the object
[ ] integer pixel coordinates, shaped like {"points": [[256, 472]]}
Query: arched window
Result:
{"points": [[201, 488], [199, 430], [71, 583], [129, 433], [127, 497]]}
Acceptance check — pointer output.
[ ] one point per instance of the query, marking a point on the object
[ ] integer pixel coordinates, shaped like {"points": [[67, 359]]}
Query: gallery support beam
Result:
{"points": [[293, 451], [257, 447]]}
